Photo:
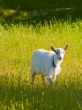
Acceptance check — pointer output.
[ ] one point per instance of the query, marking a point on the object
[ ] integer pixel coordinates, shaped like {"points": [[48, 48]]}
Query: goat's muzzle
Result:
{"points": [[60, 58]]}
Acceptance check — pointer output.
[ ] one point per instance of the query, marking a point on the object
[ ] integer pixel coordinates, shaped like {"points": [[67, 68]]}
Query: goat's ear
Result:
{"points": [[52, 48], [65, 48]]}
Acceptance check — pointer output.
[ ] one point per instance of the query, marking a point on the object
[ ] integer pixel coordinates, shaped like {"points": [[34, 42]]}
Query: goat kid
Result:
{"points": [[47, 63]]}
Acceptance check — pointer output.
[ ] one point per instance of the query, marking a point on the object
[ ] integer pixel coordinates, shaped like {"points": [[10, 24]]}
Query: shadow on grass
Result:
{"points": [[9, 16], [35, 12], [22, 96]]}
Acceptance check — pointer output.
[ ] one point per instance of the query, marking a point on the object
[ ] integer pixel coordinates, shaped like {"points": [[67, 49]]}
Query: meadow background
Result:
{"points": [[21, 32]]}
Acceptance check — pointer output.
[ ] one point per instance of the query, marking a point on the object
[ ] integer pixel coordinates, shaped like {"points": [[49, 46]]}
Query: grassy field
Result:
{"points": [[17, 43]]}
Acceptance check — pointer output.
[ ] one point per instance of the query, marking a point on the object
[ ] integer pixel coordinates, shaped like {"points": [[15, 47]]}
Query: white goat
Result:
{"points": [[47, 63]]}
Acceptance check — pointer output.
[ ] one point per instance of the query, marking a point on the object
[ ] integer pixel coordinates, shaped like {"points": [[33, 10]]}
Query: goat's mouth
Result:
{"points": [[60, 58]]}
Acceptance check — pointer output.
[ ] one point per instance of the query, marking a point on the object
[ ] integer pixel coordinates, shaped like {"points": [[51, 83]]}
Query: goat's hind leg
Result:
{"points": [[32, 76], [42, 76]]}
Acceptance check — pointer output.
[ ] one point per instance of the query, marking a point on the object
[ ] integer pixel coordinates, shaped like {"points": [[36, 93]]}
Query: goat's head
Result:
{"points": [[60, 52]]}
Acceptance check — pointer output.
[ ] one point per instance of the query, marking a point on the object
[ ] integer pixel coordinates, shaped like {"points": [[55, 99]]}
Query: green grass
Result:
{"points": [[17, 42]]}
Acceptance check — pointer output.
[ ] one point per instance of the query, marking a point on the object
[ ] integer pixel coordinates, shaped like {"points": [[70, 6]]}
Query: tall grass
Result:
{"points": [[17, 42]]}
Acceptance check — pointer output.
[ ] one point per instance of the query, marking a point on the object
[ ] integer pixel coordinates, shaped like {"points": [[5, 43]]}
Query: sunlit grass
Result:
{"points": [[17, 42]]}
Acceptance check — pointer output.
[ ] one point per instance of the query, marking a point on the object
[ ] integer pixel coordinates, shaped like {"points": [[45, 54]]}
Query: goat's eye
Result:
{"points": [[57, 52]]}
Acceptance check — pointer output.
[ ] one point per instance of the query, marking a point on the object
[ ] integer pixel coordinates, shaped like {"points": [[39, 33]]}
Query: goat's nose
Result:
{"points": [[60, 58]]}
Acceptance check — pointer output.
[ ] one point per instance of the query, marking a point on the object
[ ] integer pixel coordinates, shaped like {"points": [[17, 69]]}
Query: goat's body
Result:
{"points": [[43, 63]]}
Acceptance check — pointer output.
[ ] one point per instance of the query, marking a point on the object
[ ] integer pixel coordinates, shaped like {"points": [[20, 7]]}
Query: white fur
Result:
{"points": [[42, 63]]}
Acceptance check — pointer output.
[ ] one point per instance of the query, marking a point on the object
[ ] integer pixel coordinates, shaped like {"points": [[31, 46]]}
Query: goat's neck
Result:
{"points": [[57, 62]]}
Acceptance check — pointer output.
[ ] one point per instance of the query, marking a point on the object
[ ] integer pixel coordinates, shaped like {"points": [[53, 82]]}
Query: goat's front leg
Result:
{"points": [[49, 78], [54, 77]]}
